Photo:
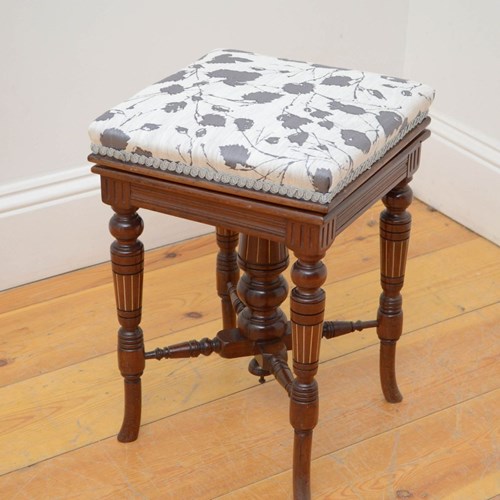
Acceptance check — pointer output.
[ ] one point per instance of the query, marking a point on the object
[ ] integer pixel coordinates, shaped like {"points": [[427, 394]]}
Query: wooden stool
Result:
{"points": [[278, 155]]}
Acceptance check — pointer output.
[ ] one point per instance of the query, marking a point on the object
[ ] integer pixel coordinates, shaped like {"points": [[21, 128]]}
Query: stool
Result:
{"points": [[278, 155]]}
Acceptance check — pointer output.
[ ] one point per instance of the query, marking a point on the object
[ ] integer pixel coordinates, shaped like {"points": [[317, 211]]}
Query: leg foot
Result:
{"points": [[132, 412], [302, 446], [388, 371]]}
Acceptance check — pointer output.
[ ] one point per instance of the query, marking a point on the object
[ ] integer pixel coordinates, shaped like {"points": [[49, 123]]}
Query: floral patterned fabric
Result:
{"points": [[286, 127]]}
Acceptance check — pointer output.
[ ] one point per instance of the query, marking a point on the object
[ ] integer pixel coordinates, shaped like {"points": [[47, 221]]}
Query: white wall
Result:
{"points": [[65, 62], [455, 46]]}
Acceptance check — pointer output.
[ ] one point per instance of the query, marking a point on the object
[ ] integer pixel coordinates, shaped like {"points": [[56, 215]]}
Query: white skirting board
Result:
{"points": [[57, 223], [459, 175]]}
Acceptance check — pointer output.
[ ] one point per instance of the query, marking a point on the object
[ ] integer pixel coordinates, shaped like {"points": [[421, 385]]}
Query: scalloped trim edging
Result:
{"points": [[256, 184]]}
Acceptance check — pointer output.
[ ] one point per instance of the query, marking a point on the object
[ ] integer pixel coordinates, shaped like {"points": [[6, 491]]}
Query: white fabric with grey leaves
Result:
{"points": [[285, 127]]}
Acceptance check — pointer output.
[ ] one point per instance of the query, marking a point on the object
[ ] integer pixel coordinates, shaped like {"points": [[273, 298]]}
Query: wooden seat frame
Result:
{"points": [[266, 226]]}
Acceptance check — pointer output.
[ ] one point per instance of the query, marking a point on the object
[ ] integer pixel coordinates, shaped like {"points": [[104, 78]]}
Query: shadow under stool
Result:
{"points": [[279, 156]]}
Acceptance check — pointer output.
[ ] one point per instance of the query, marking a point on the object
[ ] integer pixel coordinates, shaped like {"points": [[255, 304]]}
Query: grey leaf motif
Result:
{"points": [[261, 97], [148, 127], [143, 152], [346, 108], [339, 81], [201, 132], [320, 114], [322, 180], [175, 77], [298, 138], [356, 140], [376, 93], [105, 116], [213, 120], [298, 88], [234, 155], [389, 121], [273, 140], [114, 138], [173, 107], [172, 89], [243, 124], [326, 124], [181, 130], [227, 59], [234, 78], [293, 121]]}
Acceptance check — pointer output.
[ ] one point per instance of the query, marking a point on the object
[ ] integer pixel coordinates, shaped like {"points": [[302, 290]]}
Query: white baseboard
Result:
{"points": [[459, 175], [57, 223]]}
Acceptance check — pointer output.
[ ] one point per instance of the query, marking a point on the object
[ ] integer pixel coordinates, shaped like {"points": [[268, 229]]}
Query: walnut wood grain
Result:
{"points": [[307, 307], [262, 288]]}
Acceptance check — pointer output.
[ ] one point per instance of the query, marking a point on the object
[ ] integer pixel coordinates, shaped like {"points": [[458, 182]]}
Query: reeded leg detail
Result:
{"points": [[127, 258], [395, 224], [227, 272], [307, 313]]}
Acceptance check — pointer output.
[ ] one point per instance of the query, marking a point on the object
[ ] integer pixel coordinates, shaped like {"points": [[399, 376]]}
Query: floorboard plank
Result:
{"points": [[240, 434], [209, 428], [453, 446]]}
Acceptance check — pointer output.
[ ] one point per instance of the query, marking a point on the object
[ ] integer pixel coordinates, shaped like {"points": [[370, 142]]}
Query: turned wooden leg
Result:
{"points": [[307, 312], [395, 223], [262, 288], [127, 258], [227, 272]]}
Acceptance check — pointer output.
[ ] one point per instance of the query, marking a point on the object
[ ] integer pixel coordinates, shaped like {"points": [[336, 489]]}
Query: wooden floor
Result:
{"points": [[210, 430]]}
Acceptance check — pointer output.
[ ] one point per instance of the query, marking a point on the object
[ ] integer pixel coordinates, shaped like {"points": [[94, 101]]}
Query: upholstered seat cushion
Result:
{"points": [[286, 127]]}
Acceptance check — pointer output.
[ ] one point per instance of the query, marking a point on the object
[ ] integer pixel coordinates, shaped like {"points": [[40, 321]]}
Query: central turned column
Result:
{"points": [[262, 289]]}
